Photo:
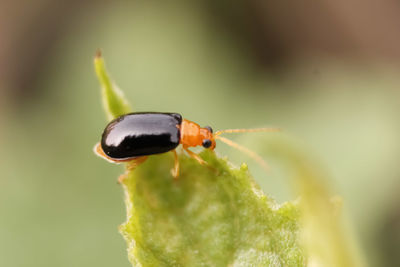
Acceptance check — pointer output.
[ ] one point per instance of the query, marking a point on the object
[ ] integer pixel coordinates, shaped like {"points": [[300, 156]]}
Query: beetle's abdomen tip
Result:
{"points": [[100, 153]]}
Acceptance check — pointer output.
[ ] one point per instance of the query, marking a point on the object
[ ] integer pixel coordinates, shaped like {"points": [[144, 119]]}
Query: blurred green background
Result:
{"points": [[328, 73]]}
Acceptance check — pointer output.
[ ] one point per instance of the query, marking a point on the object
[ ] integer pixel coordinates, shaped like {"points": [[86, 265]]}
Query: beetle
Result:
{"points": [[135, 136]]}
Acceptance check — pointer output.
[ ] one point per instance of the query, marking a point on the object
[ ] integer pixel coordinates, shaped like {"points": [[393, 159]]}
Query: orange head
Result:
{"points": [[207, 136], [193, 135]]}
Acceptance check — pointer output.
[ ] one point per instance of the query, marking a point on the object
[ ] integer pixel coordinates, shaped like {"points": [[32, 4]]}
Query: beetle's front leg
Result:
{"points": [[194, 155]]}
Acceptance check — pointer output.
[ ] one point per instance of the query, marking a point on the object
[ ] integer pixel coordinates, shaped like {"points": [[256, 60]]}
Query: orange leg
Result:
{"points": [[194, 155], [175, 170], [130, 166]]}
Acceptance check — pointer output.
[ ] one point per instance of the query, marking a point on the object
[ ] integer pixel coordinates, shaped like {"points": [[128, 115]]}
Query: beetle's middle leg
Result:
{"points": [[175, 170]]}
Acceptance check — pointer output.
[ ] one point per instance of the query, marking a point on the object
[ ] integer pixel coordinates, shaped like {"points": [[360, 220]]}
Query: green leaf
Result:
{"points": [[210, 216], [114, 102], [326, 234], [215, 215]]}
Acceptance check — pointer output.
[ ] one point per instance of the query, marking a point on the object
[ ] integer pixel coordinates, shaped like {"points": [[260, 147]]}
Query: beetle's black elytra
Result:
{"points": [[140, 134]]}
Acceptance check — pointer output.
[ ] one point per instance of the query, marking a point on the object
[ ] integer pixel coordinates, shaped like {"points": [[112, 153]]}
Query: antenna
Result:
{"points": [[256, 130], [245, 150]]}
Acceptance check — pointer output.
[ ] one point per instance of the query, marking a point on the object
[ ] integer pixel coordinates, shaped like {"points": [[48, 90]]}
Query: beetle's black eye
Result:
{"points": [[209, 129], [207, 143]]}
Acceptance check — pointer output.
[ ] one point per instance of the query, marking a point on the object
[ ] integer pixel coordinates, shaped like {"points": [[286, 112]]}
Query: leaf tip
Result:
{"points": [[114, 101], [98, 54]]}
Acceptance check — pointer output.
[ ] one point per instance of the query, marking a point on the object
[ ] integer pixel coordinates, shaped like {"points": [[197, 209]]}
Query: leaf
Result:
{"points": [[216, 215], [326, 234], [114, 102], [210, 216]]}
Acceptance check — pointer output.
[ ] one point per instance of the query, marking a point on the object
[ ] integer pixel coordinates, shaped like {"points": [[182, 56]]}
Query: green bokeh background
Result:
{"points": [[60, 205]]}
